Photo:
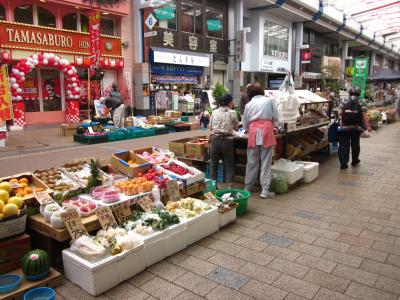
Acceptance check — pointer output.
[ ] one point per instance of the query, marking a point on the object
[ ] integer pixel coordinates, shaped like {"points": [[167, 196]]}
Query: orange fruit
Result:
{"points": [[14, 180], [28, 190], [19, 190], [23, 179], [24, 184]]}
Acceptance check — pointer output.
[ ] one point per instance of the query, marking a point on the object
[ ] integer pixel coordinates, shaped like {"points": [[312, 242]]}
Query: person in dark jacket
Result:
{"points": [[350, 129]]}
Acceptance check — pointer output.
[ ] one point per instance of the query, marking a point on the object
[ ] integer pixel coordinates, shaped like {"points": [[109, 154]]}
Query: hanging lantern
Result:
{"points": [[112, 63], [5, 57], [79, 60], [120, 63], [87, 62], [105, 62]]}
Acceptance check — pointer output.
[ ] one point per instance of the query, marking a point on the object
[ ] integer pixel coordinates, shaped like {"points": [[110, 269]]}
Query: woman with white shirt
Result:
{"points": [[260, 116]]}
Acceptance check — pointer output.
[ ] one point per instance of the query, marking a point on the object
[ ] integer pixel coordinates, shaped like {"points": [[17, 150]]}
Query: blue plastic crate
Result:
{"points": [[211, 185]]}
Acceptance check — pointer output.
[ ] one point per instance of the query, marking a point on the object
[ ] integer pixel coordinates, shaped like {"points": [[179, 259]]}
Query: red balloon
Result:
{"points": [[52, 61], [40, 57]]}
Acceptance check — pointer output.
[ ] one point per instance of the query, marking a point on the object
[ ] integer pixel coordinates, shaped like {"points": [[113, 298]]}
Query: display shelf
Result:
{"points": [[52, 280], [39, 224]]}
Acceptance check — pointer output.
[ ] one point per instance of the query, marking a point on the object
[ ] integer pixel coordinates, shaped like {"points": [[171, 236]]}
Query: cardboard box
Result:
{"points": [[34, 183], [195, 188], [197, 150], [173, 114], [179, 146], [119, 161], [68, 129], [12, 251]]}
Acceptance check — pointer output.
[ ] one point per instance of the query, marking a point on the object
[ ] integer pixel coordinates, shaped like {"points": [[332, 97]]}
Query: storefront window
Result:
{"points": [[46, 18], [276, 40], [69, 22], [2, 13], [191, 18], [215, 24], [51, 90], [107, 26], [23, 14], [30, 92], [84, 23], [166, 16]]}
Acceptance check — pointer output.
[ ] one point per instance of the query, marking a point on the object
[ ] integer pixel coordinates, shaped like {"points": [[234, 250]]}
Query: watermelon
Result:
{"points": [[35, 265]]}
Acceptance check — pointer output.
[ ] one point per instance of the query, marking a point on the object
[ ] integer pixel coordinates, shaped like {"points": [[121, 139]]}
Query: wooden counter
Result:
{"points": [[39, 224]]}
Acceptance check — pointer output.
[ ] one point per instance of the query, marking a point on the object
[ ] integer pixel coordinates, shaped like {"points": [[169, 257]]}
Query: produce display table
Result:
{"points": [[38, 223], [52, 280]]}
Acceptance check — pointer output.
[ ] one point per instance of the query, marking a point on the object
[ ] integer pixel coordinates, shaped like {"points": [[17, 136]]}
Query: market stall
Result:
{"points": [[106, 222]]}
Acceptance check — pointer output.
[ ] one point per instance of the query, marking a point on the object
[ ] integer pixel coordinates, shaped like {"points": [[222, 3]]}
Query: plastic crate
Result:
{"points": [[185, 119], [80, 138], [117, 135], [220, 172], [162, 131], [182, 128]]}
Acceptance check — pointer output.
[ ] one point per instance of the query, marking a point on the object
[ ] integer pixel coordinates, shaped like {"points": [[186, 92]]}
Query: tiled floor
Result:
{"points": [[336, 238]]}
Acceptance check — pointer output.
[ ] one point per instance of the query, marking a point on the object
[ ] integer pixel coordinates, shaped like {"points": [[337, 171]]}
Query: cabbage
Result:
{"points": [[280, 184]]}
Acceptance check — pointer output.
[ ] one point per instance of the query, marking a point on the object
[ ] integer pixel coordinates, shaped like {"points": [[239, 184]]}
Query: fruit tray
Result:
{"points": [[189, 178], [57, 180], [123, 198], [80, 171], [80, 138]]}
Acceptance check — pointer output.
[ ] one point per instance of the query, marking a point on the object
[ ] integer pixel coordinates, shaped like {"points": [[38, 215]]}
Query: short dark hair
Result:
{"points": [[254, 90], [50, 82], [225, 99]]}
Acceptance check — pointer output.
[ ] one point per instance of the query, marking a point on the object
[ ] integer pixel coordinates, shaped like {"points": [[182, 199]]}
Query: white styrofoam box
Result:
{"points": [[310, 170], [2, 143], [175, 240], [227, 217], [94, 277], [187, 179], [202, 226], [293, 175], [154, 249], [131, 264]]}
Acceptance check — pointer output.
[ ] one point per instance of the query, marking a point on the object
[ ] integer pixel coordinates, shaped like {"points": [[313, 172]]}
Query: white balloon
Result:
{"points": [[35, 56], [14, 98], [21, 74], [69, 92], [74, 84], [63, 61], [45, 61], [19, 98], [57, 59], [15, 85], [73, 79], [15, 71], [46, 56], [70, 72], [77, 97], [12, 80], [35, 62], [23, 78], [77, 89], [51, 55], [19, 90]]}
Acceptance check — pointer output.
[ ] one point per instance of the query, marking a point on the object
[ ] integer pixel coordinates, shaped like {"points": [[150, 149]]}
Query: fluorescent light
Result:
{"points": [[105, 13]]}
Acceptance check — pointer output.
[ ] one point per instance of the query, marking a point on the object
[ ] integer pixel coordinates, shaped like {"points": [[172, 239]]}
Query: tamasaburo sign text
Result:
{"points": [[29, 37]]}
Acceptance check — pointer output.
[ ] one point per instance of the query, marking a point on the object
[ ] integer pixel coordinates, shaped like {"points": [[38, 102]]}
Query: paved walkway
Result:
{"points": [[336, 238]]}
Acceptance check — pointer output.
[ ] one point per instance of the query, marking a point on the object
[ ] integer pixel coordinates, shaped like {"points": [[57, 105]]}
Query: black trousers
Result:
{"points": [[349, 139], [222, 148]]}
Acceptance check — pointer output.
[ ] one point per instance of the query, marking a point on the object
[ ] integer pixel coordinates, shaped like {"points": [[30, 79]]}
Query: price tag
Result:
{"points": [[43, 197], [106, 218], [90, 130], [173, 190], [211, 199], [15, 185], [74, 224], [122, 212], [146, 203]]}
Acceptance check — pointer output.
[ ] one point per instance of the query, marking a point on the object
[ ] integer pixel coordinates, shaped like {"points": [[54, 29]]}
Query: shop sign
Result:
{"points": [[168, 39], [240, 45], [278, 54], [193, 42], [274, 65], [181, 59], [150, 21], [306, 57], [214, 25], [36, 38], [176, 70], [6, 112], [360, 74], [94, 36], [213, 46], [165, 13], [311, 75]]}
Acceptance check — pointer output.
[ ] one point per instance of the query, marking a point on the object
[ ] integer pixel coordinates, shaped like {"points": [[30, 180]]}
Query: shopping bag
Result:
{"points": [[333, 132]]}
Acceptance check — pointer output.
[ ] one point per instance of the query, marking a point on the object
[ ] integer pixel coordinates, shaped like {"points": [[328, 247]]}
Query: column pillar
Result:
{"points": [[372, 62], [345, 51], [297, 48]]}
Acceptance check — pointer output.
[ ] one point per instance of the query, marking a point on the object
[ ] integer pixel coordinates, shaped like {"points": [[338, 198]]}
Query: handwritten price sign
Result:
{"points": [[74, 224], [211, 199], [122, 212], [146, 204], [173, 190], [106, 218], [43, 197]]}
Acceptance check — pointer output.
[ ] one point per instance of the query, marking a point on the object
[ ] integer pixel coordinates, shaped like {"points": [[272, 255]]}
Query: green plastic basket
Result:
{"points": [[241, 209]]}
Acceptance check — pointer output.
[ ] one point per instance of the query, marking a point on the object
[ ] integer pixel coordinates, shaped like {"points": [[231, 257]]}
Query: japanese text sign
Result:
{"points": [[73, 223], [5, 99], [122, 212], [106, 218], [94, 35]]}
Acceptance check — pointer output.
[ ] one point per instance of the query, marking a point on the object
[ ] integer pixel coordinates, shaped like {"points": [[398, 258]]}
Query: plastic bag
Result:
{"points": [[87, 247], [279, 184], [285, 165], [287, 102]]}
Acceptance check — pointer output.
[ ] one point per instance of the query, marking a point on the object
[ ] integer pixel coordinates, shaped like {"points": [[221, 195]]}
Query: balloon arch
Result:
{"points": [[24, 66]]}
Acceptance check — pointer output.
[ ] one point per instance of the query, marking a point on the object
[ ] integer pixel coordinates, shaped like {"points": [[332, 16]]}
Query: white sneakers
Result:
{"points": [[267, 194]]}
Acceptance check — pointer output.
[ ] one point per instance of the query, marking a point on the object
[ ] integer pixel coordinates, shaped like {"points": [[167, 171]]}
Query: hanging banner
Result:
{"points": [[360, 74], [6, 112], [94, 37]]}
